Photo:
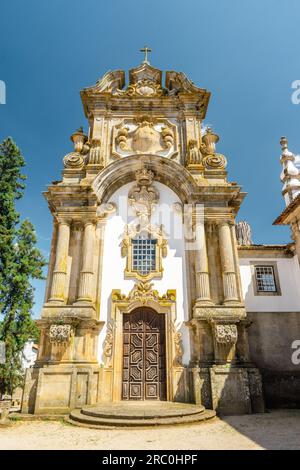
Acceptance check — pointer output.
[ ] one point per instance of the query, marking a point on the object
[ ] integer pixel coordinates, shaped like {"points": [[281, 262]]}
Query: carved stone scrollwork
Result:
{"points": [[108, 344], [60, 333], [106, 209], [216, 161], [143, 292], [226, 334], [121, 138], [167, 136], [178, 348], [143, 88], [73, 160]]}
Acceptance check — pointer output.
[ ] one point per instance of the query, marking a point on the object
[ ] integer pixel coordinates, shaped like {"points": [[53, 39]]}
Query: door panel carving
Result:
{"points": [[144, 355]]}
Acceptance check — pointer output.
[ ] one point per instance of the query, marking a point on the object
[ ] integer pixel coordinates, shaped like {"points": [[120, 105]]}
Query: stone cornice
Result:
{"points": [[266, 251], [292, 210]]}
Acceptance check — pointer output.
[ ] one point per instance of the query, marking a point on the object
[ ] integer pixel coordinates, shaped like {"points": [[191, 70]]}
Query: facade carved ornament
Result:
{"points": [[106, 209], [143, 88], [108, 344], [73, 160], [143, 197], [143, 292], [60, 333], [145, 135], [178, 347], [214, 162], [226, 334], [95, 152], [194, 155]]}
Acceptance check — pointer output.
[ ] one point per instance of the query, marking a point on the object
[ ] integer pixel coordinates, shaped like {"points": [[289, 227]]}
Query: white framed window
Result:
{"points": [[265, 279]]}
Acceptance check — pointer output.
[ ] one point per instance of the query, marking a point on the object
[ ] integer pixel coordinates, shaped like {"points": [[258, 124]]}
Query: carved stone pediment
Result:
{"points": [[109, 83], [145, 135], [145, 72], [178, 82]]}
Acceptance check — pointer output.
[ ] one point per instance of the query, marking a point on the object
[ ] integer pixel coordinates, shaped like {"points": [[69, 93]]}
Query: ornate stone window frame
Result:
{"points": [[265, 262], [142, 295], [160, 251]]}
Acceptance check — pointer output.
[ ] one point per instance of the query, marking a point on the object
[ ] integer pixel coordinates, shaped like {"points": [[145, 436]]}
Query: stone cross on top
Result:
{"points": [[146, 50]]}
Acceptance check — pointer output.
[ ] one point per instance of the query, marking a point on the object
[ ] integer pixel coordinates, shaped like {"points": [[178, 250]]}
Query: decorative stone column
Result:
{"points": [[87, 270], [227, 263], [61, 262], [201, 266]]}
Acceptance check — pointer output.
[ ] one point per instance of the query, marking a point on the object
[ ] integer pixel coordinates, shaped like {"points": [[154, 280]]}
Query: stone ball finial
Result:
{"points": [[243, 233]]}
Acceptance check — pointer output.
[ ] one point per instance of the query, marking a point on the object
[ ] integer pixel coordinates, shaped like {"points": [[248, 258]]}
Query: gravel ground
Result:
{"points": [[275, 430]]}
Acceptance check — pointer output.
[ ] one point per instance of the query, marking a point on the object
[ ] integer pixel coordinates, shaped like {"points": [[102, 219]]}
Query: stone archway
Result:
{"points": [[144, 355]]}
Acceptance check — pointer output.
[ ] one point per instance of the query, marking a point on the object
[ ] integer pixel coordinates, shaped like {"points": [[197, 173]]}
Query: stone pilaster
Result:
{"points": [[87, 270], [227, 263], [61, 263]]}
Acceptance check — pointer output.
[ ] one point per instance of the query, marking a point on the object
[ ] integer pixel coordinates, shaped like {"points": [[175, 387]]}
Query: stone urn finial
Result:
{"points": [[78, 138], [210, 139]]}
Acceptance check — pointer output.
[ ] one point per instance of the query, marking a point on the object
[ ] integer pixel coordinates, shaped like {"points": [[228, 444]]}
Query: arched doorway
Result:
{"points": [[144, 355]]}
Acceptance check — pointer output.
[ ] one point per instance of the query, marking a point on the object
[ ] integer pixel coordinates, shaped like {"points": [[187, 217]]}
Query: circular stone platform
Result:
{"points": [[142, 413]]}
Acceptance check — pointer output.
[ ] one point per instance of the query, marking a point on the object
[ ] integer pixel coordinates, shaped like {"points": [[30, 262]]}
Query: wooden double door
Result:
{"points": [[144, 355]]}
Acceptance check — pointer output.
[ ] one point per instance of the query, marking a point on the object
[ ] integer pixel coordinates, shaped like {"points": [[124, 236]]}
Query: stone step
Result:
{"points": [[111, 416], [146, 413]]}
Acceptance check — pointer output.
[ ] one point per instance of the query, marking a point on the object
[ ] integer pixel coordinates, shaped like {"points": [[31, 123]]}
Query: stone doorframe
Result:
{"points": [[142, 295]]}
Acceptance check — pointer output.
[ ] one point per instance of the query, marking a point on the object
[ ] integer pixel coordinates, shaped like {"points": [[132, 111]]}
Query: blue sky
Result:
{"points": [[245, 52]]}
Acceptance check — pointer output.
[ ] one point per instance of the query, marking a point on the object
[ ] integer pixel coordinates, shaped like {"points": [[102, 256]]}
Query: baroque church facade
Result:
{"points": [[153, 291]]}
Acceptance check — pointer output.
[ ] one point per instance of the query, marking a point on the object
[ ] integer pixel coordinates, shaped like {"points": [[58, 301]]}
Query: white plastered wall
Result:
{"points": [[289, 281], [174, 274]]}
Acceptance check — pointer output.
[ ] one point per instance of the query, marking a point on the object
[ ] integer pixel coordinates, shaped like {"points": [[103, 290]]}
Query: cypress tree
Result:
{"points": [[20, 263]]}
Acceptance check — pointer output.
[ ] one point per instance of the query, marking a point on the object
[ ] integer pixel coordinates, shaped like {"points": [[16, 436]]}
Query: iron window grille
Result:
{"points": [[265, 279], [143, 255]]}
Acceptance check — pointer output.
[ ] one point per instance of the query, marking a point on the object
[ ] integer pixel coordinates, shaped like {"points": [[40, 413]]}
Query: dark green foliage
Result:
{"points": [[20, 262]]}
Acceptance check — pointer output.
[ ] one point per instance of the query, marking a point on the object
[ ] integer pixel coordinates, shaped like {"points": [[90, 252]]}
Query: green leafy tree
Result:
{"points": [[20, 263]]}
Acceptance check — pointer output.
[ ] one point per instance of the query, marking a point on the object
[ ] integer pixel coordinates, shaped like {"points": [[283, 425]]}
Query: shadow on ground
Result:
{"points": [[274, 430]]}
